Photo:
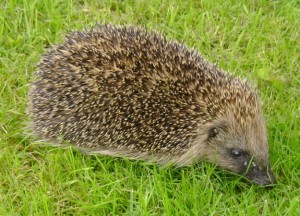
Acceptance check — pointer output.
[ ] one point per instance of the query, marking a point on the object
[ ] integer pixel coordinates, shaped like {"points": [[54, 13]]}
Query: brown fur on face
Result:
{"points": [[125, 92]]}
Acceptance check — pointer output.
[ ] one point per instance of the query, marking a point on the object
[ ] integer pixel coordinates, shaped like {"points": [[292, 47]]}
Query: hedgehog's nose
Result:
{"points": [[263, 177], [264, 181], [268, 182]]}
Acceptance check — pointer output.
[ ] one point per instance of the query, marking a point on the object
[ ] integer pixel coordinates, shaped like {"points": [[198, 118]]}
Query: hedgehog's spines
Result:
{"points": [[126, 91]]}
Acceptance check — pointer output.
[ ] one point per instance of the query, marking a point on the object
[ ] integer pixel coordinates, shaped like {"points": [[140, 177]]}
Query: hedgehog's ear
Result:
{"points": [[213, 132]]}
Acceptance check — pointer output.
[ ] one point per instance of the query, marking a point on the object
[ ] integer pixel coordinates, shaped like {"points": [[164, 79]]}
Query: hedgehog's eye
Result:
{"points": [[235, 152], [213, 132]]}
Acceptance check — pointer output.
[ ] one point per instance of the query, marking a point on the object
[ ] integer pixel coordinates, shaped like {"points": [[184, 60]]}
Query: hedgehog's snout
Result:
{"points": [[252, 169], [260, 176]]}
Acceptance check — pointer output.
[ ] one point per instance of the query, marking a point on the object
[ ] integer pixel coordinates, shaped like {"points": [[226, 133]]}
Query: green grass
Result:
{"points": [[257, 39]]}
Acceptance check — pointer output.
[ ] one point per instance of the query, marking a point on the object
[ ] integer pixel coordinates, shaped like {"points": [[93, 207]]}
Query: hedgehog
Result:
{"points": [[128, 92]]}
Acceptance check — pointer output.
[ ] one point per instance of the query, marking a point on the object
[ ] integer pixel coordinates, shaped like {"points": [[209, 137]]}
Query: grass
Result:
{"points": [[257, 39]]}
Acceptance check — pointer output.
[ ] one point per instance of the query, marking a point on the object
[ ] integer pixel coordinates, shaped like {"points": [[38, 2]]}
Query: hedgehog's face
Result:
{"points": [[241, 148]]}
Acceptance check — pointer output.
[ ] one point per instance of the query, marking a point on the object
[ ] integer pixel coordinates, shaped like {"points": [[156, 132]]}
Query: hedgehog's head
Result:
{"points": [[242, 149], [236, 139]]}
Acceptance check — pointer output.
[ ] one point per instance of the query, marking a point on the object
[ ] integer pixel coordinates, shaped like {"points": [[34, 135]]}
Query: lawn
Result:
{"points": [[258, 40]]}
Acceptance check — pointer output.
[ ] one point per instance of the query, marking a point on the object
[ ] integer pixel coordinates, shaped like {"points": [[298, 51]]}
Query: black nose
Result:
{"points": [[268, 183], [261, 177], [265, 182], [269, 186]]}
